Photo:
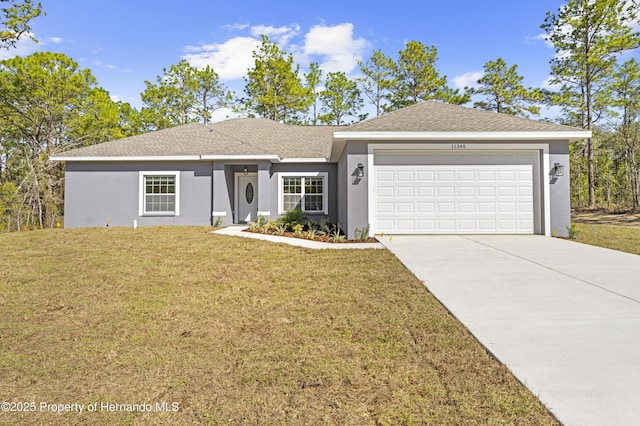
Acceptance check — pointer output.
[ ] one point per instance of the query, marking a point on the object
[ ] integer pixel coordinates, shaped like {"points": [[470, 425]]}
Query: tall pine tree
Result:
{"points": [[587, 36]]}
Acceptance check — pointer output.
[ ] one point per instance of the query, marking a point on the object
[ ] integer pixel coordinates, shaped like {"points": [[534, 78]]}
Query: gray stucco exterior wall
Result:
{"points": [[108, 193], [560, 190], [224, 174], [354, 197]]}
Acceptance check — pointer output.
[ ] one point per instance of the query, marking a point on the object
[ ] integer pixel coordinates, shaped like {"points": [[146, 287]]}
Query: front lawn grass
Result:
{"points": [[622, 238], [235, 331]]}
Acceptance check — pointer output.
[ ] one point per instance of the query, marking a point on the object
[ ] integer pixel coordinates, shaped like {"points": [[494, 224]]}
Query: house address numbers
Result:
{"points": [[458, 146]]}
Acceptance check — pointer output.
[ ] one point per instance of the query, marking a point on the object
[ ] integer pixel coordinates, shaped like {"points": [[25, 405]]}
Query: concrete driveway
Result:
{"points": [[563, 316]]}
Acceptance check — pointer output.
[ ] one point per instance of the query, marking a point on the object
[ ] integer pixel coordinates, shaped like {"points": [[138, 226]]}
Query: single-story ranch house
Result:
{"points": [[430, 168]]}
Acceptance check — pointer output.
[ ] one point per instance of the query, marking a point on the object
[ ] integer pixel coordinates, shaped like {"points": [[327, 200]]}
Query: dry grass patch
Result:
{"points": [[616, 237], [236, 331]]}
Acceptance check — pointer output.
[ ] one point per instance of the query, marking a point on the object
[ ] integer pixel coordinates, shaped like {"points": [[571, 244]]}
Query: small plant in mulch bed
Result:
{"points": [[294, 224]]}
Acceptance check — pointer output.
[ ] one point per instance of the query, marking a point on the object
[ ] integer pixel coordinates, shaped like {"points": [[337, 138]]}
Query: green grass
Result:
{"points": [[622, 238], [236, 331]]}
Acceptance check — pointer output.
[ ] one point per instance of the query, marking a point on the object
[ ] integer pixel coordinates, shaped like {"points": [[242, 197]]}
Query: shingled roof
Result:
{"points": [[431, 116], [261, 137], [236, 137]]}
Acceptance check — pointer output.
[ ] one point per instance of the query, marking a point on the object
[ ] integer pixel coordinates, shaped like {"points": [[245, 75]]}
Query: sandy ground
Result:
{"points": [[605, 217]]}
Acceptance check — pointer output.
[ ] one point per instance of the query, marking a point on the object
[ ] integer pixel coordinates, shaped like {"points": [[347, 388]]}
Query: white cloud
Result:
{"points": [[469, 79], [234, 27], [230, 59], [280, 35], [224, 114], [24, 47], [542, 37], [101, 64], [336, 45], [547, 84]]}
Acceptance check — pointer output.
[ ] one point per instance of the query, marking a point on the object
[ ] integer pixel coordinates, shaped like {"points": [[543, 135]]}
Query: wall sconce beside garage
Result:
{"points": [[558, 170]]}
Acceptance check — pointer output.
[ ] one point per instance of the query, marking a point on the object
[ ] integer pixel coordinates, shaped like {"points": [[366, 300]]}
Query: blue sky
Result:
{"points": [[125, 43]]}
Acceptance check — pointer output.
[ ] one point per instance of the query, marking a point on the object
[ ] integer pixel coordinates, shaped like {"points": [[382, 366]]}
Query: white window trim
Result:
{"points": [[325, 194], [141, 203]]}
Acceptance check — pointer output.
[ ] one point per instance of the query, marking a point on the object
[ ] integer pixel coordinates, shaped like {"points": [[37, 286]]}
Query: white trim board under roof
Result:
{"points": [[464, 136], [271, 158]]}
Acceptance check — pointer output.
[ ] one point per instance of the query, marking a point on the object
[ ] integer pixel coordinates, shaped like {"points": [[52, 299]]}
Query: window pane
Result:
{"points": [[291, 202], [292, 185], [313, 203], [160, 194], [306, 193], [313, 186]]}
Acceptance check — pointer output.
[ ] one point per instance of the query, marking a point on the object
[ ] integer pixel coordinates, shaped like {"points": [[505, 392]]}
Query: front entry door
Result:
{"points": [[247, 198]]}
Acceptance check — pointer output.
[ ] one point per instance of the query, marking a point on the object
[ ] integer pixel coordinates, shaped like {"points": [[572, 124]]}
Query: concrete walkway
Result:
{"points": [[563, 316]]}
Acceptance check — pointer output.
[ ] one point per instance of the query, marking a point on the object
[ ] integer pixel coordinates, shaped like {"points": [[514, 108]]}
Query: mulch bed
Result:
{"points": [[319, 238]]}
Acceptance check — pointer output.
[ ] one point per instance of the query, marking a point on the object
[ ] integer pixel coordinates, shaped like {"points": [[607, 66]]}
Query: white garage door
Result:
{"points": [[453, 199]]}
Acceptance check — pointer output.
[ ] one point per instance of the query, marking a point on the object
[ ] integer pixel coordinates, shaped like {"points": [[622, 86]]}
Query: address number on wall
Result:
{"points": [[458, 146]]}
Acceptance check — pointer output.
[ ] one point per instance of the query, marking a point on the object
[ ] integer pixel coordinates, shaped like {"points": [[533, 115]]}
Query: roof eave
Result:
{"points": [[271, 158], [97, 158], [467, 136]]}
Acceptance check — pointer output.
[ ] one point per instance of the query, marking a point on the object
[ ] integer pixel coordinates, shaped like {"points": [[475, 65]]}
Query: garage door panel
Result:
{"points": [[508, 225], [487, 225], [507, 175], [426, 191], [486, 191], [426, 207], [453, 199], [446, 191], [466, 176], [486, 207], [506, 207], [382, 207], [385, 191], [525, 175], [426, 176], [446, 207], [525, 191], [486, 176], [406, 224], [466, 191], [405, 176], [526, 224], [446, 175], [406, 191], [426, 225], [525, 207], [384, 176], [466, 207], [405, 207], [467, 225]]}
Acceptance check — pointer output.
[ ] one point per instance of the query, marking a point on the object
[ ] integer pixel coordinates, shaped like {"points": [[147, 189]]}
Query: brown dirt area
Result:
{"points": [[606, 217]]}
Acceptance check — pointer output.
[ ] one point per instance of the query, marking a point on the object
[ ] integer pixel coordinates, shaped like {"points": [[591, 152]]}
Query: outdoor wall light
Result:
{"points": [[246, 170], [360, 173], [558, 170]]}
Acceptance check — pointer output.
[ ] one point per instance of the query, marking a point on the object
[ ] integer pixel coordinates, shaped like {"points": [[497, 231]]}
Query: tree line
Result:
{"points": [[48, 104]]}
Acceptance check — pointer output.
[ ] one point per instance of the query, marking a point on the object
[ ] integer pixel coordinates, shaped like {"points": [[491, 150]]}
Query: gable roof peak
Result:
{"points": [[433, 116]]}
